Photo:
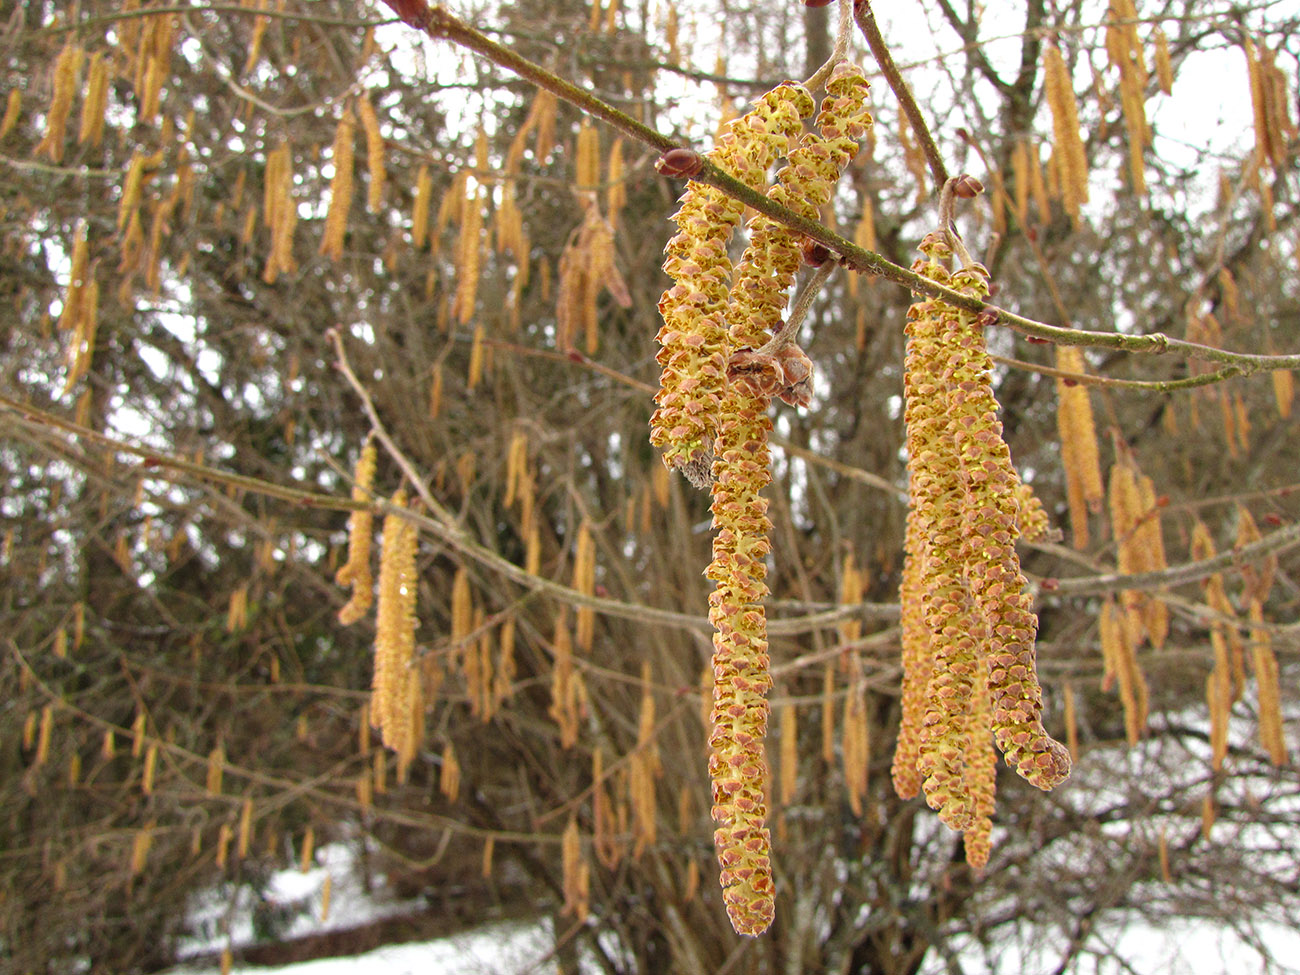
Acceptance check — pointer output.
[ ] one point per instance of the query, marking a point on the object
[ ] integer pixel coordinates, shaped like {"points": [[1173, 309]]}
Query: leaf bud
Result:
{"points": [[680, 163]]}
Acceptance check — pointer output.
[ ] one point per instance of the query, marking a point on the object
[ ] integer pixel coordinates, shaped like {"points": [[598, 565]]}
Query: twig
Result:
{"points": [[449, 534], [1279, 541], [789, 329], [381, 434], [841, 50], [866, 21]]}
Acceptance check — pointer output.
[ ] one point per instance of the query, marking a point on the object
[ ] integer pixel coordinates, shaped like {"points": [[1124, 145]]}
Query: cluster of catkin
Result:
{"points": [[968, 630], [397, 701], [712, 424]]}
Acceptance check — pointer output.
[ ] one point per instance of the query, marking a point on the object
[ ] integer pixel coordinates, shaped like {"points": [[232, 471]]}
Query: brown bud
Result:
{"points": [[413, 12], [967, 186], [814, 254], [680, 163], [817, 3]]}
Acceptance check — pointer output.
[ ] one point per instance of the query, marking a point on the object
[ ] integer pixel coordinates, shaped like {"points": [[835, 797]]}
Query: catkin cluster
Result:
{"points": [[968, 631], [712, 422], [693, 340]]}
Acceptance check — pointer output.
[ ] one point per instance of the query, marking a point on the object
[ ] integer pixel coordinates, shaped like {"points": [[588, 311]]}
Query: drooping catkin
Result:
{"points": [[587, 159], [1256, 577], [564, 688], [336, 220], [616, 193], [1066, 141], [469, 256], [64, 89], [584, 580], [1080, 455], [374, 153], [1164, 66], [94, 104], [355, 572], [974, 611], [281, 212], [576, 873], [420, 208], [740, 471], [13, 110], [1264, 663], [982, 769], [856, 746], [396, 691], [693, 340]]}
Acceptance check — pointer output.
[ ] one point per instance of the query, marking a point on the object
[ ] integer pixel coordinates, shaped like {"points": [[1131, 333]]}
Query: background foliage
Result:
{"points": [[182, 709]]}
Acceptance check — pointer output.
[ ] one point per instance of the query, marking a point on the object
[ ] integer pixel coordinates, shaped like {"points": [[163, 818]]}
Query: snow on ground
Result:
{"points": [[493, 950]]}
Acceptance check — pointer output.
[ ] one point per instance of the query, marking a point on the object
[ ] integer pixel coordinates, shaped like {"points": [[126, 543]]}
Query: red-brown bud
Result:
{"points": [[680, 163], [967, 186], [814, 254]]}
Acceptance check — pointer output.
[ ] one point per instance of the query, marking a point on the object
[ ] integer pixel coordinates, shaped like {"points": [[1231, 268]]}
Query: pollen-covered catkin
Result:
{"points": [[740, 471], [355, 572], [396, 690], [968, 629], [693, 340]]}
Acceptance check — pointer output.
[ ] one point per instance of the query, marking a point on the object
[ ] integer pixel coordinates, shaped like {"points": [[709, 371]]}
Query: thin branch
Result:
{"points": [[1149, 385], [1279, 541], [866, 21], [448, 534], [841, 49], [381, 433], [200, 8]]}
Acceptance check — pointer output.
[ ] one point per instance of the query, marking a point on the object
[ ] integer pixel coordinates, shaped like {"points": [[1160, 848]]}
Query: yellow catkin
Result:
{"points": [[13, 110], [64, 89], [43, 736], [587, 159], [420, 210], [855, 749], [604, 839], [1080, 454], [215, 770], [140, 845], [1071, 721], [982, 766], [336, 220], [584, 580], [149, 769], [1283, 391], [694, 343], [469, 253], [576, 873], [94, 105], [449, 774], [326, 891], [374, 153], [245, 834], [306, 856], [616, 194], [564, 694], [396, 687], [280, 211], [1067, 143], [1256, 576], [1264, 662]]}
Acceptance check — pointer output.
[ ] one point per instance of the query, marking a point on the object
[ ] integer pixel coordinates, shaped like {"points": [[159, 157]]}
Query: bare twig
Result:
{"points": [[866, 21]]}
